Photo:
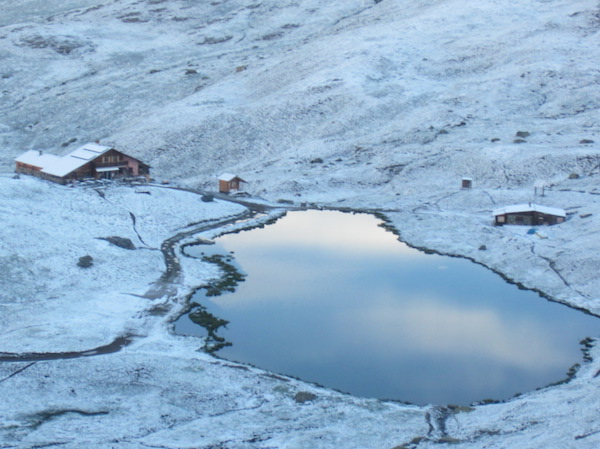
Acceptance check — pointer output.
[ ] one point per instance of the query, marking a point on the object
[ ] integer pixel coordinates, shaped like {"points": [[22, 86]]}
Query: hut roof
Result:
{"points": [[62, 166], [229, 177], [519, 208], [37, 158]]}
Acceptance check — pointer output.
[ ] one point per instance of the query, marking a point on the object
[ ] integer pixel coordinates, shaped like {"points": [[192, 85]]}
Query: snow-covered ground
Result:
{"points": [[48, 302], [379, 105]]}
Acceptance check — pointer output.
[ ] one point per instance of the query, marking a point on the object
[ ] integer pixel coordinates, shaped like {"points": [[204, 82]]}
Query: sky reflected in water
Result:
{"points": [[335, 299]]}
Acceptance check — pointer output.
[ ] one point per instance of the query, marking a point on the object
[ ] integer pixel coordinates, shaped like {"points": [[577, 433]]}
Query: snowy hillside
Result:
{"points": [[223, 85], [374, 105]]}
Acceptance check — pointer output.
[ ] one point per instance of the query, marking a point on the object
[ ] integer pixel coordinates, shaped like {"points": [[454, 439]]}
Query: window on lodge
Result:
{"points": [[112, 159]]}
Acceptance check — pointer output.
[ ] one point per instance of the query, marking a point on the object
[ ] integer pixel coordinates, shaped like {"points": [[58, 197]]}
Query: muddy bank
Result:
{"points": [[115, 346]]}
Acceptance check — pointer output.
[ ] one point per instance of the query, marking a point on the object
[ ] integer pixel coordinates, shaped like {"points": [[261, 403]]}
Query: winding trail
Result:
{"points": [[118, 344], [166, 285]]}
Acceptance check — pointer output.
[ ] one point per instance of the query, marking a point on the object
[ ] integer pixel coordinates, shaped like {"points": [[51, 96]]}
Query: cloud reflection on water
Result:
{"points": [[360, 235], [335, 299], [426, 325]]}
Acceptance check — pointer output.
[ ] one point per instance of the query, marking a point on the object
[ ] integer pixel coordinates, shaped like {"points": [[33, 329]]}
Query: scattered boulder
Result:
{"points": [[522, 134], [304, 396], [69, 142], [85, 261], [586, 141], [271, 36], [132, 17], [121, 242], [63, 45], [574, 176], [212, 40]]}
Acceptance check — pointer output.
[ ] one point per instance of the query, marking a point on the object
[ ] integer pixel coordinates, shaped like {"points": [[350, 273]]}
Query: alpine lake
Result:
{"points": [[336, 299]]}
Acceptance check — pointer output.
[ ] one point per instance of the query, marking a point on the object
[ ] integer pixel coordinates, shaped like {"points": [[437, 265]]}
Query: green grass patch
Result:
{"points": [[212, 324], [230, 279]]}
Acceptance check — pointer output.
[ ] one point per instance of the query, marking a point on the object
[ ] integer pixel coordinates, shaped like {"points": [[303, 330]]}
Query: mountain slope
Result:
{"points": [[199, 88]]}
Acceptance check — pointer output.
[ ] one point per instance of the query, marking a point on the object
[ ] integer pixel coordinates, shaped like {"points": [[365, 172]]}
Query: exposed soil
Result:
{"points": [[166, 285], [118, 344]]}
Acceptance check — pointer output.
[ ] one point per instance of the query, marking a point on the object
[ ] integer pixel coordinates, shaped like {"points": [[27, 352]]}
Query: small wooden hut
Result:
{"points": [[529, 215], [229, 182]]}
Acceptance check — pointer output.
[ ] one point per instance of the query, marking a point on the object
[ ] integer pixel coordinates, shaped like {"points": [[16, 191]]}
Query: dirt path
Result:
{"points": [[116, 345], [165, 287], [247, 203]]}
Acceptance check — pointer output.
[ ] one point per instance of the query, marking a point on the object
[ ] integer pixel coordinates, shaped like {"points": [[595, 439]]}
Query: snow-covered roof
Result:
{"points": [[64, 165], [514, 209], [37, 158], [228, 177]]}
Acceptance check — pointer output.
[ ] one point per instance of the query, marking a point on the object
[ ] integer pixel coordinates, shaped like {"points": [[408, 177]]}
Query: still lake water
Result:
{"points": [[335, 299]]}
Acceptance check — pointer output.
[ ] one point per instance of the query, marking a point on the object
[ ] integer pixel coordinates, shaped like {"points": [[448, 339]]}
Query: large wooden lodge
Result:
{"points": [[91, 161]]}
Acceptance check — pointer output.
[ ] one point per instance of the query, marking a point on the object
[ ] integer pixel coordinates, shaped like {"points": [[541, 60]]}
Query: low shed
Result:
{"points": [[529, 215], [229, 182]]}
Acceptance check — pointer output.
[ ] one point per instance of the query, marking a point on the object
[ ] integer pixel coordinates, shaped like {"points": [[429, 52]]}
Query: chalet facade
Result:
{"points": [[529, 215], [229, 182], [91, 161]]}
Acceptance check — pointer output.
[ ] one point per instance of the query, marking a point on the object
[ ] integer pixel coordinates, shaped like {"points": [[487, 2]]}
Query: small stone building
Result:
{"points": [[91, 161], [529, 215]]}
